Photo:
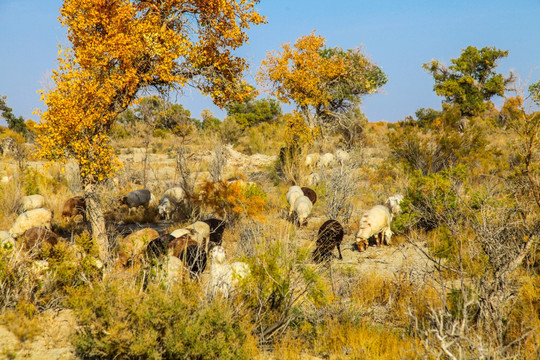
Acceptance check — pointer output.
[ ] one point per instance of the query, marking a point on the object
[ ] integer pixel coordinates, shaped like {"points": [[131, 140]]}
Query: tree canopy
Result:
{"points": [[319, 80], [14, 123], [471, 80], [121, 47], [254, 111]]}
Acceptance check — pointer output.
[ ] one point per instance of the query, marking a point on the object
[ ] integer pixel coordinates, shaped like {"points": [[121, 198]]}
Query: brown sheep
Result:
{"points": [[34, 237], [131, 248], [73, 207], [192, 255], [330, 235], [310, 193]]}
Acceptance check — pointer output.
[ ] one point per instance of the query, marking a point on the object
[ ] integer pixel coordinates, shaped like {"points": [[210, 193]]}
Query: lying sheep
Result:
{"points": [[131, 248], [29, 219], [34, 238], [159, 246], [302, 208], [137, 198], [374, 222], [190, 253], [294, 193], [224, 276], [326, 160], [31, 202], [74, 206], [310, 193], [330, 236], [312, 159]]}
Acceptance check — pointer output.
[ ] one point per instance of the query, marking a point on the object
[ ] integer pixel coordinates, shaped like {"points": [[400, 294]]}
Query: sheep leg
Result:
{"points": [[339, 252], [378, 239]]}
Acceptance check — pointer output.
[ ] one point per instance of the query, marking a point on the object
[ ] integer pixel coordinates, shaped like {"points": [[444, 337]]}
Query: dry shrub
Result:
{"points": [[233, 200], [23, 321]]}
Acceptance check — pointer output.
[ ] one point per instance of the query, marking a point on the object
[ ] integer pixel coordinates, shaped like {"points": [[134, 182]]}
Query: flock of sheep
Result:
{"points": [[189, 248]]}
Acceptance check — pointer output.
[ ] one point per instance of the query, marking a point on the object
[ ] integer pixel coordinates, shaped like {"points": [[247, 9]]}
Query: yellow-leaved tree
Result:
{"points": [[121, 47], [322, 82]]}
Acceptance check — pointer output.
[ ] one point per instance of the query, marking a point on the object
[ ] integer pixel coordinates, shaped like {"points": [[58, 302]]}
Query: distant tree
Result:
{"points": [[426, 116], [320, 81], [120, 48], [14, 123], [252, 112], [471, 80], [209, 121]]}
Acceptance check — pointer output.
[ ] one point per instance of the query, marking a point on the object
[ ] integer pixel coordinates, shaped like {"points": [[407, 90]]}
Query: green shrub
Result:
{"points": [[119, 321]]}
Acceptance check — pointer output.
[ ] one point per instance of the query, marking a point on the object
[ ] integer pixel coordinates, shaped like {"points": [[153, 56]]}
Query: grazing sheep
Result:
{"points": [[326, 160], [73, 207], [192, 255], [224, 276], [29, 219], [159, 246], [312, 159], [180, 232], [217, 227], [311, 194], [302, 208], [176, 194], [342, 156], [34, 238], [136, 198], [330, 235], [166, 207], [374, 222], [314, 179], [393, 204], [131, 248], [31, 202], [294, 193]]}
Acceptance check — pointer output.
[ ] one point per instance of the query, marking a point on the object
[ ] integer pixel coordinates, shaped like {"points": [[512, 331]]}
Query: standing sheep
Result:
{"points": [[312, 159], [201, 231], [393, 204], [132, 247], [159, 246], [294, 193], [374, 222], [137, 198], [326, 160], [29, 219], [31, 202], [330, 236], [310, 193], [171, 201], [342, 156], [188, 250], [302, 208], [36, 236], [224, 276]]}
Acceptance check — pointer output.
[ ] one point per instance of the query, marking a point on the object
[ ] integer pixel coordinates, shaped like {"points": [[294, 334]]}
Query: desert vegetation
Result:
{"points": [[139, 202]]}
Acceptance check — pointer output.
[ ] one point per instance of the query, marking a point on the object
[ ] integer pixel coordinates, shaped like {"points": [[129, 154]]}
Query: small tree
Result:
{"points": [[120, 48], [252, 112], [14, 123], [321, 81], [471, 80]]}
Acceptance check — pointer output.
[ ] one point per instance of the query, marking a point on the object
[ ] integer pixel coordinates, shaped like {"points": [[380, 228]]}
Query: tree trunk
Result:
{"points": [[94, 213]]}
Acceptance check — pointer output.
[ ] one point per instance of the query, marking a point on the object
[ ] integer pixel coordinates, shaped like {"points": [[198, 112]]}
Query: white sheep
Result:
{"points": [[223, 277], [326, 160], [312, 159], [294, 193], [180, 232], [166, 207], [393, 204], [302, 208], [201, 231], [176, 194], [342, 156], [29, 219], [374, 222], [314, 179], [31, 202]]}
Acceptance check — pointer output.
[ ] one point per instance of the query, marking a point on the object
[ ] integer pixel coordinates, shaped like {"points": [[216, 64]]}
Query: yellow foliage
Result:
{"points": [[120, 47]]}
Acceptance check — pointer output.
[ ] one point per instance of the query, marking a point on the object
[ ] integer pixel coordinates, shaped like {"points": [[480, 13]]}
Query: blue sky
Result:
{"points": [[398, 35]]}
